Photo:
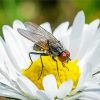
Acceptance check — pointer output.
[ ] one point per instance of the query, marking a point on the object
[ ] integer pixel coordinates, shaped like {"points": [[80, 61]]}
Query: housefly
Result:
{"points": [[46, 42]]}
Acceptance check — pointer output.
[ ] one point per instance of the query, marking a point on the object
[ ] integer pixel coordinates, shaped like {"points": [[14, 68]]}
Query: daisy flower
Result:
{"points": [[79, 81]]}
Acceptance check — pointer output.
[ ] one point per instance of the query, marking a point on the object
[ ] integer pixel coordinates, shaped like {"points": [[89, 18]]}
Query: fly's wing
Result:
{"points": [[39, 30], [38, 35], [38, 39]]}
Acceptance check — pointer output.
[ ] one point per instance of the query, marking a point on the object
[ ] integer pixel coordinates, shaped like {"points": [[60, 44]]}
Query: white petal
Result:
{"points": [[50, 85], [74, 97], [93, 88], [42, 95], [20, 39], [13, 45], [18, 24], [96, 69], [61, 34], [92, 95], [12, 95], [6, 67], [86, 74], [26, 85], [61, 31], [8, 58], [66, 39], [76, 34], [87, 38], [93, 55], [85, 98], [46, 26], [65, 89], [25, 42], [98, 35], [6, 61], [96, 78], [6, 79], [88, 95], [95, 52]]}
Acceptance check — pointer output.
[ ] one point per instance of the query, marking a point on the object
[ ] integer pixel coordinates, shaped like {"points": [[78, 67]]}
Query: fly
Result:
{"points": [[44, 41]]}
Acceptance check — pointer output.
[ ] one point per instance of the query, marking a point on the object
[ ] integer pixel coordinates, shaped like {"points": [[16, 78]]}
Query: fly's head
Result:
{"points": [[65, 55]]}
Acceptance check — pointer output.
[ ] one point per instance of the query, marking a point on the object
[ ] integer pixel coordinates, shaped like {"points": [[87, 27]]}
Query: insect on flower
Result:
{"points": [[45, 43]]}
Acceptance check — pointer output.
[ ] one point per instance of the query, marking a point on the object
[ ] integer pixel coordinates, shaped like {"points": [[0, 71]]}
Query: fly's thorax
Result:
{"points": [[56, 48]]}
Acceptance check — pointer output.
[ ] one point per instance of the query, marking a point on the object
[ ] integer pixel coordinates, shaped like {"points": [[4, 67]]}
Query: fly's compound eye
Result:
{"points": [[67, 53]]}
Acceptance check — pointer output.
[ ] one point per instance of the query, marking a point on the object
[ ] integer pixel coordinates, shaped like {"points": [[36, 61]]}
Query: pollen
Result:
{"points": [[62, 73]]}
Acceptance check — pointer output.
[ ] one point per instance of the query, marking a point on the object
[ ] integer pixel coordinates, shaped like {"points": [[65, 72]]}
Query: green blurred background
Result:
{"points": [[53, 11]]}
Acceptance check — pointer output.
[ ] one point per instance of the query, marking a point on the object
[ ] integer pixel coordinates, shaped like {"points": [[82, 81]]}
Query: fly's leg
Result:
{"points": [[30, 53], [31, 58], [65, 66], [68, 59], [44, 54], [57, 66], [42, 67]]}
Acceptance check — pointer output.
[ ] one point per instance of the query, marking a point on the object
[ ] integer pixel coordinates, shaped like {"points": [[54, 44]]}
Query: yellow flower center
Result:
{"points": [[62, 73]]}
